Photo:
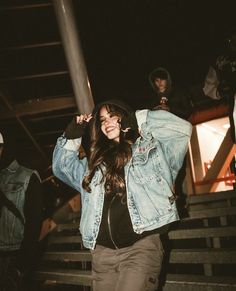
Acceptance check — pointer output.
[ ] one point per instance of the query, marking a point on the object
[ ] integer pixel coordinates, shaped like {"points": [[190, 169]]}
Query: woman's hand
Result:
{"points": [[83, 117], [76, 127]]}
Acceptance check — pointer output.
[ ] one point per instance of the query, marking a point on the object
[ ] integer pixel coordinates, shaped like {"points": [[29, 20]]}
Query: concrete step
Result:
{"points": [[209, 197], [65, 276], [182, 282], [203, 256], [205, 232], [75, 256], [65, 239], [180, 256], [208, 213], [174, 282]]}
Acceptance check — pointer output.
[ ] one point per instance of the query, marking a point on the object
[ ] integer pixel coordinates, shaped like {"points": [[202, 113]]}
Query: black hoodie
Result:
{"points": [[163, 74], [179, 101]]}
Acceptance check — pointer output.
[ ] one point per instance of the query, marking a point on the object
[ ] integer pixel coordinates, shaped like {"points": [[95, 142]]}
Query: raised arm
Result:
{"points": [[172, 132], [66, 164]]}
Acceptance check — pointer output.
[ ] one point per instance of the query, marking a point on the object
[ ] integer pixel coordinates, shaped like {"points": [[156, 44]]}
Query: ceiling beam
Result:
{"points": [[26, 129], [33, 76], [30, 46], [27, 6], [38, 106]]}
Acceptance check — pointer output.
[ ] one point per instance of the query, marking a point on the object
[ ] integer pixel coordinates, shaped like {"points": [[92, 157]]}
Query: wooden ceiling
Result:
{"points": [[36, 94]]}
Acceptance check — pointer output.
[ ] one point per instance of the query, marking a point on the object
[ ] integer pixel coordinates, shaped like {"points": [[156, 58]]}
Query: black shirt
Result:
{"points": [[116, 230]]}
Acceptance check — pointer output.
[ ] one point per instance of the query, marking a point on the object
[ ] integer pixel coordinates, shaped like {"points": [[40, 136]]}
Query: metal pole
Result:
{"points": [[74, 55]]}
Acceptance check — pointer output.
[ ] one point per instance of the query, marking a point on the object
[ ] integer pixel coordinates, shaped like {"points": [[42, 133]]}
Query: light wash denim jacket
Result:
{"points": [[150, 174]]}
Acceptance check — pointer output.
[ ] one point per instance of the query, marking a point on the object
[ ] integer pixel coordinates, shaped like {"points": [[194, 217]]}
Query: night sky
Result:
{"points": [[124, 40]]}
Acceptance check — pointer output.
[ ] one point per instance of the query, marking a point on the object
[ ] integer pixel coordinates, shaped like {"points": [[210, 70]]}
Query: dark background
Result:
{"points": [[122, 42]]}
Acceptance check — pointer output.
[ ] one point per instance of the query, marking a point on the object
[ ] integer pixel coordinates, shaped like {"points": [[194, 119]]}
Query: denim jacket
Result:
{"points": [[149, 175], [14, 181]]}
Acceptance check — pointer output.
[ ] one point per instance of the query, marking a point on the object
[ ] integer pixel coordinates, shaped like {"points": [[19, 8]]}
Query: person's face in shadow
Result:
{"points": [[161, 84]]}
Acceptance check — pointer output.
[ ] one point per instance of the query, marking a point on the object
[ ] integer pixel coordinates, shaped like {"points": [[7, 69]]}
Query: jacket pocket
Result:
{"points": [[146, 166]]}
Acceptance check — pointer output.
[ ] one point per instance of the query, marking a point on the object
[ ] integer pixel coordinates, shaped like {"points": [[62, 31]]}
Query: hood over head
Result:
{"points": [[163, 74], [119, 103], [116, 102]]}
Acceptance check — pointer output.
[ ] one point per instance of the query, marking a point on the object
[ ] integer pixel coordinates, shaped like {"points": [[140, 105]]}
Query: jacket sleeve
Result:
{"points": [[66, 164], [170, 131]]}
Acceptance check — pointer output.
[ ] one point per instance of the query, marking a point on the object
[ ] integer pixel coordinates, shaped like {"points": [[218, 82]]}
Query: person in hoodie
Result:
{"points": [[167, 98], [126, 183], [21, 215], [178, 102]]}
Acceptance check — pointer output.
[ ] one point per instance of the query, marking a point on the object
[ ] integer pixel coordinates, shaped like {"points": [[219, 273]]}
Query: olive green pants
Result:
{"points": [[134, 268]]}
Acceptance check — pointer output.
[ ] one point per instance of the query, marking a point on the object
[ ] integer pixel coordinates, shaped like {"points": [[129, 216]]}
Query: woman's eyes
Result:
{"points": [[112, 118]]}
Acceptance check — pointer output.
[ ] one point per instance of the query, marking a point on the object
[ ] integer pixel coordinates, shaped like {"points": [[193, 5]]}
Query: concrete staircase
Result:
{"points": [[200, 250]]}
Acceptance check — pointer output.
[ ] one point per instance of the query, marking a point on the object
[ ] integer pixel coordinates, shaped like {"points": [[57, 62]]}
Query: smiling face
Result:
{"points": [[110, 124]]}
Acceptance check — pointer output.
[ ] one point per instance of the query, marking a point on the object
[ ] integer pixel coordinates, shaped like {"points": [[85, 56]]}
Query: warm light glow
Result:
{"points": [[226, 126], [212, 129]]}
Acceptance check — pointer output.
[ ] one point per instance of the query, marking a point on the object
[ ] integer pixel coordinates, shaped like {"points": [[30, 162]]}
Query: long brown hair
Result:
{"points": [[107, 155]]}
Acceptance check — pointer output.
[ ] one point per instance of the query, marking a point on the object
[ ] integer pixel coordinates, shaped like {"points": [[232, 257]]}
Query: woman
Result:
{"points": [[126, 184]]}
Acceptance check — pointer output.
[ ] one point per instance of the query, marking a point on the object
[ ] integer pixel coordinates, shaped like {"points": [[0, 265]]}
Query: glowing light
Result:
{"points": [[212, 129], [226, 125]]}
